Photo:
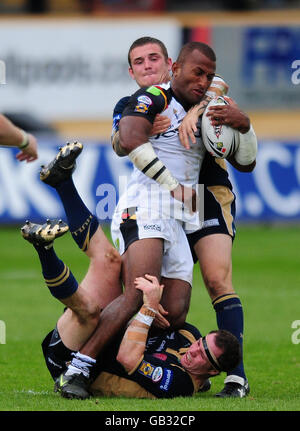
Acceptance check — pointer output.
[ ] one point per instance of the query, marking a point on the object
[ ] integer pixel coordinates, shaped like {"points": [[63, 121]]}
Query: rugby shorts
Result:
{"points": [[130, 226], [219, 215]]}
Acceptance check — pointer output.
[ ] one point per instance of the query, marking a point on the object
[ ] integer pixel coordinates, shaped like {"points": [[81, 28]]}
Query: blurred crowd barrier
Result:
{"points": [[70, 72]]}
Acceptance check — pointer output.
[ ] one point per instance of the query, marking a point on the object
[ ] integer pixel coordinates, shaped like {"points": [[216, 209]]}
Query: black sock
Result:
{"points": [[230, 316], [58, 277], [81, 222]]}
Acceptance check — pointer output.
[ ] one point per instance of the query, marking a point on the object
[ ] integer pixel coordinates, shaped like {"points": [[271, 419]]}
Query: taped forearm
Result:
{"points": [[145, 159], [134, 341], [247, 150]]}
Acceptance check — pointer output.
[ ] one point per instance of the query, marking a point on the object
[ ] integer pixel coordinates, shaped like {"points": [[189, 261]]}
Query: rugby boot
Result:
{"points": [[72, 386], [43, 234], [62, 166], [235, 387]]}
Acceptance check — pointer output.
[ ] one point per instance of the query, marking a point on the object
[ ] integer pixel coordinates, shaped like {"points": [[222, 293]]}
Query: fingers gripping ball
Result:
{"points": [[220, 141]]}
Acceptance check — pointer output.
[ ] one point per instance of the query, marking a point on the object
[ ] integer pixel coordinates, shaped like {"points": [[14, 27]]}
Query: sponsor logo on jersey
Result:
{"points": [[154, 227], [152, 372], [157, 374], [145, 99], [141, 107], [146, 369], [166, 380], [161, 356]]}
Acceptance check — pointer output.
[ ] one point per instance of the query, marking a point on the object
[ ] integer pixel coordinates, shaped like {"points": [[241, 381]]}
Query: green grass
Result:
{"points": [[266, 276]]}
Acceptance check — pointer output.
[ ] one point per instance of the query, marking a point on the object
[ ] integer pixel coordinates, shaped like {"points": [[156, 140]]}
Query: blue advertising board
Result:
{"points": [[271, 193]]}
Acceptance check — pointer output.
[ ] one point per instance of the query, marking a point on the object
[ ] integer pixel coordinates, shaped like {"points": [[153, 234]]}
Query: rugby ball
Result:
{"points": [[220, 141]]}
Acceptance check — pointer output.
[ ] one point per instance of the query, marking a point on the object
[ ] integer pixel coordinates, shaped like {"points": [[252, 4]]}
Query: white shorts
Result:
{"points": [[130, 226]]}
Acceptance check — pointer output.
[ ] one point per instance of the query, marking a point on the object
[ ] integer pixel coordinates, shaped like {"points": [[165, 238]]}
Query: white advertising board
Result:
{"points": [[69, 69]]}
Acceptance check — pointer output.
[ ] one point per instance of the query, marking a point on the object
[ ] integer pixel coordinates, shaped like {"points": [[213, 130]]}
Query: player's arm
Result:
{"points": [[12, 136], [135, 129], [244, 158], [133, 344], [160, 125], [188, 127], [117, 115]]}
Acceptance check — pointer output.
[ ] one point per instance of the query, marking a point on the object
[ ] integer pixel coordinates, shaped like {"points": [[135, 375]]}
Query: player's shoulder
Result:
{"points": [[188, 327], [120, 105], [190, 332], [156, 93]]}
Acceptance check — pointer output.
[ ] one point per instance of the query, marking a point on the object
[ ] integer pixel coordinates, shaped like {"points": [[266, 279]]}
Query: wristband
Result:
{"points": [[25, 141]]}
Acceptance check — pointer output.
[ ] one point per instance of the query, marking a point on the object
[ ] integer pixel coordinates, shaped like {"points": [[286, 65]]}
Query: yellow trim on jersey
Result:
{"points": [[222, 163], [166, 101], [137, 365], [111, 385], [188, 335]]}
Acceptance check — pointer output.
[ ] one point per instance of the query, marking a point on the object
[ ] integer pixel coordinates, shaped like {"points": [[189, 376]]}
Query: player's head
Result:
{"points": [[208, 356], [149, 62], [193, 72]]}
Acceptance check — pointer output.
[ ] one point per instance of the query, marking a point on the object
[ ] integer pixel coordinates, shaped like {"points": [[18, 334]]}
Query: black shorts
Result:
{"points": [[219, 215]]}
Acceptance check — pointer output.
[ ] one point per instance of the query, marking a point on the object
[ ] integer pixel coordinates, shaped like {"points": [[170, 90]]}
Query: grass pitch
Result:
{"points": [[266, 276]]}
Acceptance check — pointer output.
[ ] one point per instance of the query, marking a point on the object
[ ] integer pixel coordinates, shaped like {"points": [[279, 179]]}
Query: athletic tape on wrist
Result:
{"points": [[147, 320], [247, 150], [146, 160], [146, 315]]}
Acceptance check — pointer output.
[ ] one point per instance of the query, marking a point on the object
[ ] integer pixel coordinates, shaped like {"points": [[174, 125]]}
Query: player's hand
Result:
{"points": [[188, 127], [160, 125], [151, 289], [187, 195], [160, 321], [229, 115], [29, 154]]}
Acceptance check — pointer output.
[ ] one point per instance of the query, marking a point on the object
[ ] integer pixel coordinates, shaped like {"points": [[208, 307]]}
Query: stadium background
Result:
{"points": [[63, 66]]}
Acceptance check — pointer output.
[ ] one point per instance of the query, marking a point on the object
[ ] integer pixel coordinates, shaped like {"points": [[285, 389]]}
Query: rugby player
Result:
{"points": [[148, 253], [212, 245], [168, 364], [13, 136]]}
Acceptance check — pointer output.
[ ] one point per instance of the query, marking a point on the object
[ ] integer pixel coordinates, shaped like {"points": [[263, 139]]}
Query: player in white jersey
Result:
{"points": [[126, 303], [142, 249], [191, 78], [214, 239], [154, 212]]}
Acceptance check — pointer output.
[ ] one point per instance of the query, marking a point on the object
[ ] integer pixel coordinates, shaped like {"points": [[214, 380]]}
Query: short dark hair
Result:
{"points": [[199, 46], [145, 41], [232, 354]]}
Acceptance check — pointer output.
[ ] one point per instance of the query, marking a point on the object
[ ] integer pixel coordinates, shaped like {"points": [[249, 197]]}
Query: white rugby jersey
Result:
{"points": [[184, 164]]}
